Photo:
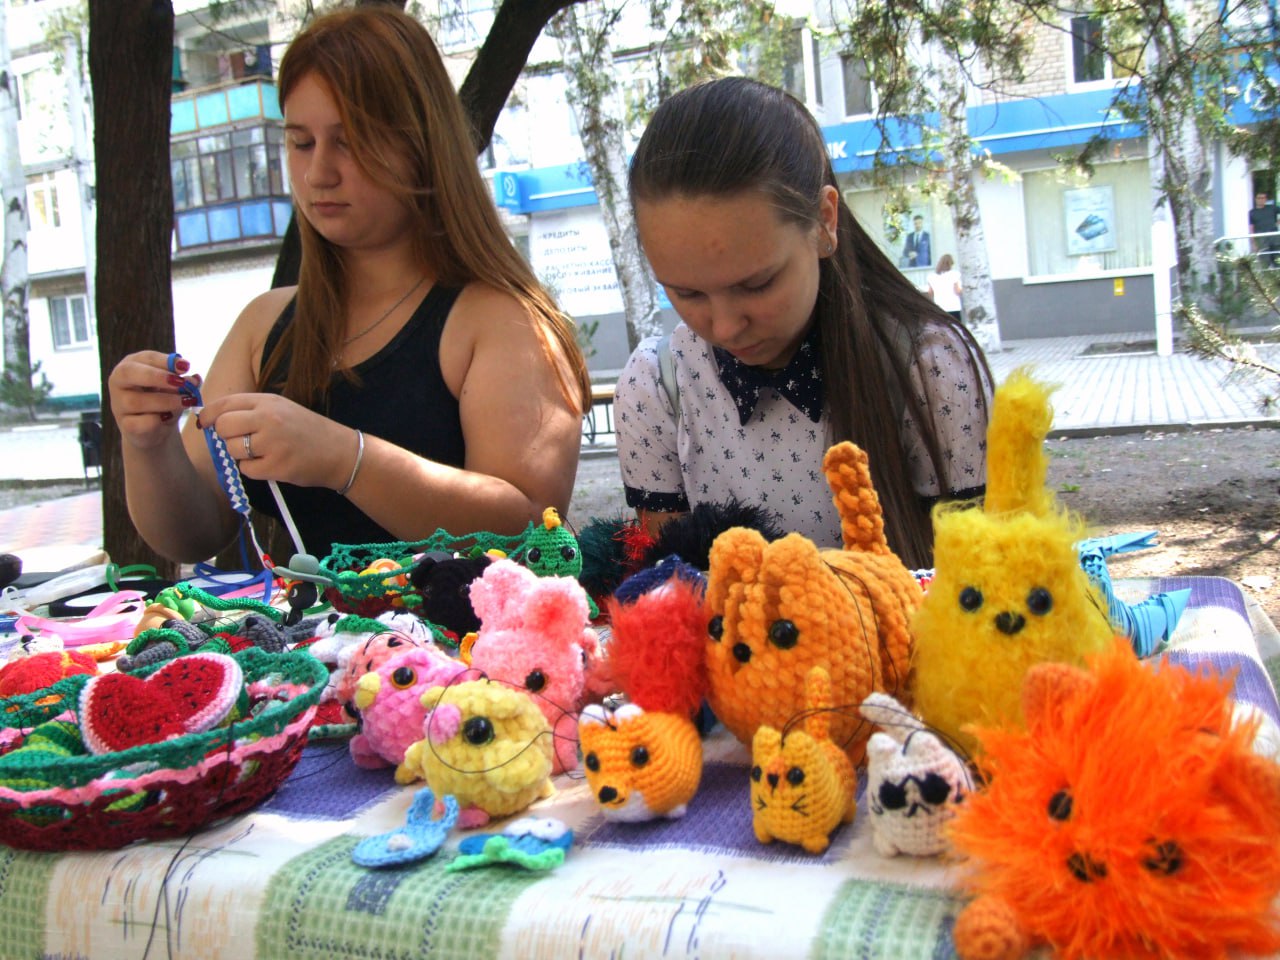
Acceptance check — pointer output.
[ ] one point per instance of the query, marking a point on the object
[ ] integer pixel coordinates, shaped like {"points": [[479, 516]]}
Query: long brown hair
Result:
{"points": [[734, 135], [396, 101]]}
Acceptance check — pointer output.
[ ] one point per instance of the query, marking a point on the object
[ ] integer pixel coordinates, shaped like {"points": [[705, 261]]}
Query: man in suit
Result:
{"points": [[917, 253]]}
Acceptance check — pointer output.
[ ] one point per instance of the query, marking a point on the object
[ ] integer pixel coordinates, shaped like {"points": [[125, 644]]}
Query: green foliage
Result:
{"points": [[585, 332], [25, 393]]}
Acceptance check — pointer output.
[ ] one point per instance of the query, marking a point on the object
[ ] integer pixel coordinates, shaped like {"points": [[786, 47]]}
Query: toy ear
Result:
{"points": [[1250, 783], [736, 555], [464, 647], [1047, 689], [1016, 462], [766, 742], [497, 595]]}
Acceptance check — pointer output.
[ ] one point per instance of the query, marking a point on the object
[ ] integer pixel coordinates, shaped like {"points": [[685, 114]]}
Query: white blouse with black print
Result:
{"points": [[774, 460]]}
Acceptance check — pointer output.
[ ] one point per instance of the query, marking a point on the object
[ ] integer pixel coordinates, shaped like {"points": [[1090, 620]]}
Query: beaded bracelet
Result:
{"points": [[355, 469]]}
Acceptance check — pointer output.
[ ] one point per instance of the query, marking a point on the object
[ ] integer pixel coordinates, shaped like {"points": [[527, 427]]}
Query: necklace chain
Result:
{"points": [[390, 310]]}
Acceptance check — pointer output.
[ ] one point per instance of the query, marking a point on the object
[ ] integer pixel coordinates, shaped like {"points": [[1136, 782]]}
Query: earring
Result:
{"points": [[831, 247]]}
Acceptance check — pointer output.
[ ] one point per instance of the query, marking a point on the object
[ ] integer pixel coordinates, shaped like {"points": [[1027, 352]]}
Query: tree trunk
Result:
{"points": [[972, 258], [582, 33], [14, 280], [130, 66]]}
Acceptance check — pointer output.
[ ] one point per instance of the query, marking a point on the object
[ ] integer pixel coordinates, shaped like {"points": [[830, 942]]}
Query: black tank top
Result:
{"points": [[402, 398]]}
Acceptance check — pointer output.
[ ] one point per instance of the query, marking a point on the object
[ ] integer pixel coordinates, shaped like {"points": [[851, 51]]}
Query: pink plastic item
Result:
{"points": [[114, 619]]}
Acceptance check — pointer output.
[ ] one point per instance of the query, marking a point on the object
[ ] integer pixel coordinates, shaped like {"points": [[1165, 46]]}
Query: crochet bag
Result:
{"points": [[54, 797]]}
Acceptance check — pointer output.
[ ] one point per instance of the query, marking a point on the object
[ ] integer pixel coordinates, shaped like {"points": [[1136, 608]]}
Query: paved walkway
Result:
{"points": [[1110, 392]]}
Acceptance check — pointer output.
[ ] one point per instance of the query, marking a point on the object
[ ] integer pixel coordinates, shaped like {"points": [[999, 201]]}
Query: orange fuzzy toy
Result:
{"points": [[1130, 818], [802, 784], [778, 609], [644, 760]]}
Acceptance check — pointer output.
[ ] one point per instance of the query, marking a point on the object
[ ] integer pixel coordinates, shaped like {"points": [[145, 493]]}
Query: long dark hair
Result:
{"points": [[734, 135], [396, 101]]}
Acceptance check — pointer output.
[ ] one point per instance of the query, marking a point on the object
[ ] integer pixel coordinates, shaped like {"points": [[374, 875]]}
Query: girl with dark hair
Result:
{"points": [[797, 333], [417, 377]]}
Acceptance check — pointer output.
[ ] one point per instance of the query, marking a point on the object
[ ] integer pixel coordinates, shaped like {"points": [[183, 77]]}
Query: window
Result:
{"points": [[1090, 60], [69, 321], [1083, 226], [858, 101], [39, 91], [816, 68], [239, 165], [793, 64], [42, 202]]}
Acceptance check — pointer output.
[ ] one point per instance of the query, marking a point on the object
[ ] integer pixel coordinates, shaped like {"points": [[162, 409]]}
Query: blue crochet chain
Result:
{"points": [[228, 472]]}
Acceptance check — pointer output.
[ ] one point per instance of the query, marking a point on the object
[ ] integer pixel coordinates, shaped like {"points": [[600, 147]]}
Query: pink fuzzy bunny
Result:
{"points": [[534, 637]]}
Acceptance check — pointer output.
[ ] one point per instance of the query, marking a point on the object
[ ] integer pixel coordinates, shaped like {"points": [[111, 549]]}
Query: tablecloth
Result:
{"points": [[280, 882]]}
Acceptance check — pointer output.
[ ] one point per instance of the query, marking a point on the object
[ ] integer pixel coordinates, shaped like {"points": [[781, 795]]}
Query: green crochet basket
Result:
{"points": [[150, 792], [369, 594]]}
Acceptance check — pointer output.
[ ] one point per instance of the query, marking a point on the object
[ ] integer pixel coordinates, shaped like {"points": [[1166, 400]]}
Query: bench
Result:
{"points": [[601, 397]]}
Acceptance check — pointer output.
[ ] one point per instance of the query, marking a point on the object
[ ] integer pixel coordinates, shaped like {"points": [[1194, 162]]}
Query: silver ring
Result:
{"points": [[248, 447]]}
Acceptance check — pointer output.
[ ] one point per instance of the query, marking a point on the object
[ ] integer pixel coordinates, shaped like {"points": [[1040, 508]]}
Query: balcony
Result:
{"points": [[253, 98]]}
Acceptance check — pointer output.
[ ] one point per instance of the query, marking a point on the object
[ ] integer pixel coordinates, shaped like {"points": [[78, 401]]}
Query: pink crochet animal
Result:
{"points": [[389, 699], [365, 657], [534, 637]]}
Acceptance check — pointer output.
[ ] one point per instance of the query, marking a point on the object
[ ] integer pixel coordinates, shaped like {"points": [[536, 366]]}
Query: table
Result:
{"points": [[280, 881]]}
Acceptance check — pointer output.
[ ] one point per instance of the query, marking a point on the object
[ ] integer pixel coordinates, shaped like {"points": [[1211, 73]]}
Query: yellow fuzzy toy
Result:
{"points": [[1008, 591], [802, 784], [486, 744], [778, 609]]}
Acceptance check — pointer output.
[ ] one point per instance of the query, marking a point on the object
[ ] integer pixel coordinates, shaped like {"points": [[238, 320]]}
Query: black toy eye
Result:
{"points": [[893, 796], [795, 776], [783, 634], [534, 555], [715, 629], [591, 762], [568, 552], [1039, 601], [639, 756], [1166, 859], [393, 642], [535, 681], [934, 789], [1060, 805], [351, 711], [970, 598], [756, 773], [403, 677], [478, 731]]}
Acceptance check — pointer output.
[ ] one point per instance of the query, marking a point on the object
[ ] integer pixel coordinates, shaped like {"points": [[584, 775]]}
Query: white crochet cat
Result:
{"points": [[914, 781]]}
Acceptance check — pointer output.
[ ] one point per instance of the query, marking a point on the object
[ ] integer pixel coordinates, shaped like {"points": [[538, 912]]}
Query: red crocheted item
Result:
{"points": [[187, 695], [43, 670]]}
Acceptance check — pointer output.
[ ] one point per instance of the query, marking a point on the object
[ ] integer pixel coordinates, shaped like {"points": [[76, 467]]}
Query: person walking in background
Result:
{"points": [[1262, 219], [917, 252], [945, 287], [797, 332], [417, 377]]}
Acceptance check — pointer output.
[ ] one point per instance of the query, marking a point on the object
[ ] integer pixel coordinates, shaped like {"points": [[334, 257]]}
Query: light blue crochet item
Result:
{"points": [[534, 843], [419, 838], [1149, 623]]}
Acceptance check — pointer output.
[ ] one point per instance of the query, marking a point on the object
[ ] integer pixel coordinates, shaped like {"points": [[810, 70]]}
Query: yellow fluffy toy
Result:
{"points": [[1008, 591], [778, 609]]}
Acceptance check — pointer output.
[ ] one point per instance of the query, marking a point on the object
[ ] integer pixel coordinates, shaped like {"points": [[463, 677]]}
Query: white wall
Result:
{"points": [[205, 306], [1005, 226]]}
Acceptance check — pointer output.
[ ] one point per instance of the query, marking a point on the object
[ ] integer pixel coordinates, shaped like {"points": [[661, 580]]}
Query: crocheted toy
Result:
{"points": [[689, 536], [443, 582], [29, 674], [802, 784], [1129, 818], [778, 609], [389, 700], [552, 550], [1008, 590], [644, 759], [534, 637], [420, 837], [486, 744], [188, 694], [341, 636], [536, 844], [368, 657], [1150, 622], [914, 781]]}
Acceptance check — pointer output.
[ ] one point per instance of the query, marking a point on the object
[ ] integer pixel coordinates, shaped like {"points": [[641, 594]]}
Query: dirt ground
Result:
{"points": [[1212, 495]]}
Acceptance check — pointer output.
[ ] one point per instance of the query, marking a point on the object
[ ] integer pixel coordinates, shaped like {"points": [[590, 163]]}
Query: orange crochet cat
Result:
{"points": [[778, 609], [1129, 819]]}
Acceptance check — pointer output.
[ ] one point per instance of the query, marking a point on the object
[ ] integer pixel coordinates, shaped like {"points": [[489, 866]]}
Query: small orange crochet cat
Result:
{"points": [[1130, 818], [778, 609]]}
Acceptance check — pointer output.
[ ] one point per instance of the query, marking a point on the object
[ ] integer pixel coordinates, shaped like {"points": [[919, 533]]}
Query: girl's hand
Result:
{"points": [[146, 397], [273, 438]]}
